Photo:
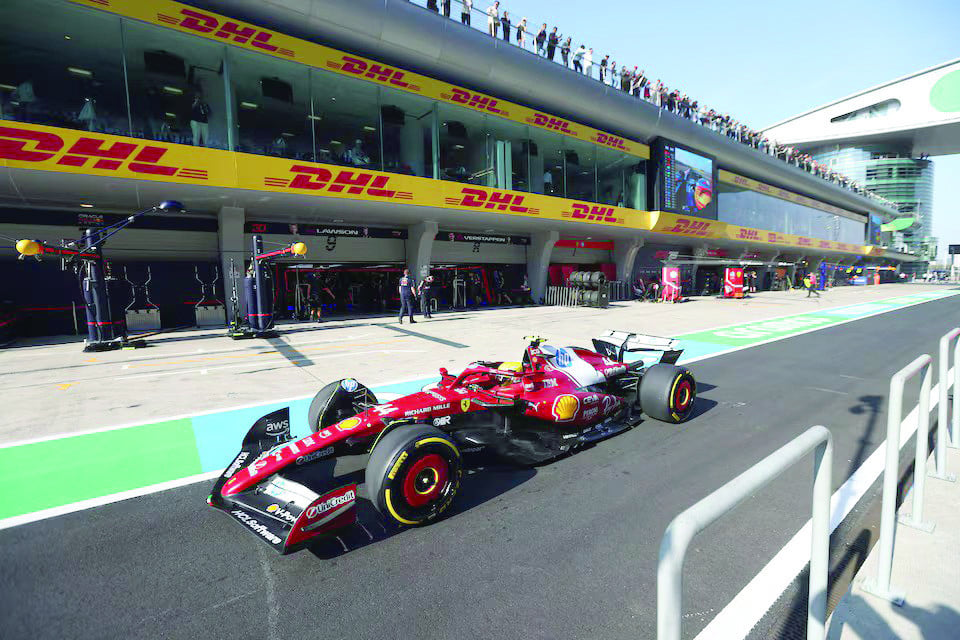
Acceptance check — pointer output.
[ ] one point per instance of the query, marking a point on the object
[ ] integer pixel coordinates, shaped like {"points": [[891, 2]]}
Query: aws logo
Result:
{"points": [[474, 100], [379, 72], [592, 213], [610, 141], [687, 227], [495, 200], [227, 30], [549, 122], [91, 152], [344, 181]]}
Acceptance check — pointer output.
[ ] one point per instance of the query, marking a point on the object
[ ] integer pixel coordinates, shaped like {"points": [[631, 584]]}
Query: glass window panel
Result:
{"points": [[466, 153], [347, 120], [546, 163], [581, 169], [62, 66], [612, 171], [510, 147], [408, 127], [272, 107], [176, 86]]}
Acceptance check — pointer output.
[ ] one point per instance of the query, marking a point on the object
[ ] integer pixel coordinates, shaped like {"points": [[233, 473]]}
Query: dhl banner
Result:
{"points": [[692, 227], [760, 187], [212, 26], [30, 146]]}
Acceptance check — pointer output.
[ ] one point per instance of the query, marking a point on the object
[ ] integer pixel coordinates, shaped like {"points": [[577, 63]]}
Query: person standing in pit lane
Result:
{"points": [[810, 282], [406, 288], [426, 296]]}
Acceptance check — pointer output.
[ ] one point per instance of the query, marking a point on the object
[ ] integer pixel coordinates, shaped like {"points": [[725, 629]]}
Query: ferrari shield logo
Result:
{"points": [[465, 405]]}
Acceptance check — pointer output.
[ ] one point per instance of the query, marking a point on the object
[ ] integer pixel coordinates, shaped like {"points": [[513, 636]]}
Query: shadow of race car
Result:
{"points": [[554, 401]]}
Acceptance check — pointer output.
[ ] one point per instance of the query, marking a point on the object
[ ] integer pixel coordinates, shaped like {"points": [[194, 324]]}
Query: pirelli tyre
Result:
{"points": [[667, 393], [413, 474], [337, 401]]}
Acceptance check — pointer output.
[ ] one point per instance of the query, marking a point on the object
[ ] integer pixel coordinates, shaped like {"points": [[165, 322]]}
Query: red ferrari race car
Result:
{"points": [[554, 401]]}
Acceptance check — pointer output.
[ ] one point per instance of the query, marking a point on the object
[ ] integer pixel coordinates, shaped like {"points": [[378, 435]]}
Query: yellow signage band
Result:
{"points": [[44, 148], [212, 26]]}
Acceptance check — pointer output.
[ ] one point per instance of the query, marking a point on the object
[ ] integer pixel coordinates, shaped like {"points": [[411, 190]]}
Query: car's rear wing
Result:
{"points": [[616, 344]]}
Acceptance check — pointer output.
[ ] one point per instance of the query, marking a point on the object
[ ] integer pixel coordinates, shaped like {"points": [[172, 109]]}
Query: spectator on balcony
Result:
{"points": [[612, 75], [552, 41], [505, 23], [432, 5], [522, 33], [588, 61], [565, 53], [445, 6], [578, 59], [625, 79], [493, 19], [466, 8], [603, 68], [541, 40]]}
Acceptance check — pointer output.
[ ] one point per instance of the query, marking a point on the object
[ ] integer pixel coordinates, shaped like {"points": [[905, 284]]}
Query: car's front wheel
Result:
{"points": [[413, 474]]}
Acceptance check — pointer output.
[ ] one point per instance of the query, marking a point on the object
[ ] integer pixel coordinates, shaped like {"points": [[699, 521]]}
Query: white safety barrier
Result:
{"points": [[680, 533], [888, 521], [942, 430]]}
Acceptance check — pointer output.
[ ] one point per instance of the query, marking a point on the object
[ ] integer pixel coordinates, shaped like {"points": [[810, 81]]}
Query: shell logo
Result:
{"points": [[348, 424], [565, 407]]}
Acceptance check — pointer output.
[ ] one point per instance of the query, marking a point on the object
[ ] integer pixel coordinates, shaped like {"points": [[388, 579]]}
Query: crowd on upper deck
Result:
{"points": [[548, 42]]}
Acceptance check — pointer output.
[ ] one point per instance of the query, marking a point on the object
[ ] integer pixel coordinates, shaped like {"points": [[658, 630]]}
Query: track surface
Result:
{"points": [[567, 550]]}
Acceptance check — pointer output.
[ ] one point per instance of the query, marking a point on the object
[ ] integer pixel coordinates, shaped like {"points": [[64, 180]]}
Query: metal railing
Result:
{"points": [[888, 521], [942, 430], [680, 533]]}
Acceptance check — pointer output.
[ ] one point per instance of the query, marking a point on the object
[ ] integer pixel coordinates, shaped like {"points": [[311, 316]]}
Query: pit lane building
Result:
{"points": [[380, 134]]}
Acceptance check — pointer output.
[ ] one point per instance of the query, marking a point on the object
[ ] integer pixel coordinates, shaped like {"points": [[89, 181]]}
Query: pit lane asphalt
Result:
{"points": [[567, 550]]}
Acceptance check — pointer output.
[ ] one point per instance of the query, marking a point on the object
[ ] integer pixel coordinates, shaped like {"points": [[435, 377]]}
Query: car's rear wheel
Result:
{"points": [[413, 474], [668, 393]]}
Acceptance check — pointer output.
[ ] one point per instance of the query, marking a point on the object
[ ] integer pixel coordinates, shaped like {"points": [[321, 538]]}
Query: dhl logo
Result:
{"points": [[496, 200], [592, 213], [741, 181], [824, 244], [774, 237], [549, 122], [379, 72], [353, 183], [474, 100], [227, 30], [41, 146], [842, 247], [748, 234], [688, 227], [805, 242], [610, 141]]}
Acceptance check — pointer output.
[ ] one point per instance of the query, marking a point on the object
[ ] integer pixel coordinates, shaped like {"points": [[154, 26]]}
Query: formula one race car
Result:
{"points": [[556, 400]]}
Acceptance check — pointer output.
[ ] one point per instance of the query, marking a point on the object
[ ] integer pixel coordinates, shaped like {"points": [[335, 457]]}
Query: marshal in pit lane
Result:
{"points": [[557, 399]]}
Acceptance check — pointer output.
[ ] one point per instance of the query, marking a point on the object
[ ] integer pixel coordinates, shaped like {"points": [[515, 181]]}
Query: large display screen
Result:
{"points": [[687, 180]]}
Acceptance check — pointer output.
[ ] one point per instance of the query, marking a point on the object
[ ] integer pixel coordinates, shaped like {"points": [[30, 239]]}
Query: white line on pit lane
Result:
{"points": [[257, 363]]}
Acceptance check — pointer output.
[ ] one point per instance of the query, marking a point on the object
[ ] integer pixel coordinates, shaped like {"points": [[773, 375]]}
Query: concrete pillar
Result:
{"points": [[766, 273], [792, 271], [538, 261], [624, 255], [230, 222], [419, 247], [698, 252]]}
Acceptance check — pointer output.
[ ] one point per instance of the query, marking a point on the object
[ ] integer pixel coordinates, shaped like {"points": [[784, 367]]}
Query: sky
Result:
{"points": [[763, 61]]}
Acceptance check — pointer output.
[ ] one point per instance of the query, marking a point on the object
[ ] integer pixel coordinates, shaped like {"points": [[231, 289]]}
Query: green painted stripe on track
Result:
{"points": [[57, 472]]}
